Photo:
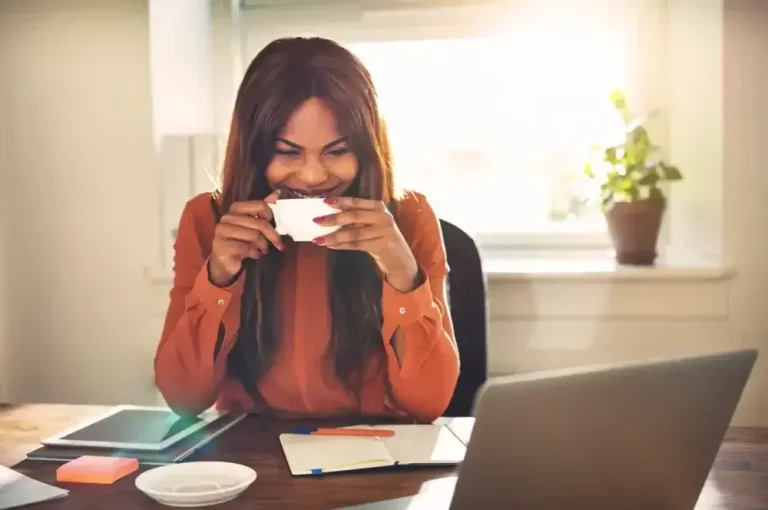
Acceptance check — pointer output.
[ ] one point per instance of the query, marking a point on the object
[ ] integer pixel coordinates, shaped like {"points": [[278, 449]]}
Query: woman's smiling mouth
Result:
{"points": [[306, 193]]}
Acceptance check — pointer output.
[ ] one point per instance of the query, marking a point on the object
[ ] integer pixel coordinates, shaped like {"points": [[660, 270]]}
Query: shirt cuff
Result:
{"points": [[213, 297], [409, 307]]}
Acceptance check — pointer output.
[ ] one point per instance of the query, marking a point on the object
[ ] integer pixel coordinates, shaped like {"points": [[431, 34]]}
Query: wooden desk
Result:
{"points": [[22, 427], [739, 480]]}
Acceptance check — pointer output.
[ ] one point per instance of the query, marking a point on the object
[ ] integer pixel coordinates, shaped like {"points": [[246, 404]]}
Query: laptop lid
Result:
{"points": [[633, 436]]}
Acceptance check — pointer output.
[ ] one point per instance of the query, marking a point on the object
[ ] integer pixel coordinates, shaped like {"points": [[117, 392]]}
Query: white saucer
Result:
{"points": [[195, 484]]}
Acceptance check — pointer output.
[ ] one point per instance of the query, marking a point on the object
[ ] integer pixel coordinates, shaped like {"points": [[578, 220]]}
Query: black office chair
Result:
{"points": [[468, 308]]}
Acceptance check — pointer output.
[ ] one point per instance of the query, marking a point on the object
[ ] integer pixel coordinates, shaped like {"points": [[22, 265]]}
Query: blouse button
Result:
{"points": [[220, 302], [402, 310]]}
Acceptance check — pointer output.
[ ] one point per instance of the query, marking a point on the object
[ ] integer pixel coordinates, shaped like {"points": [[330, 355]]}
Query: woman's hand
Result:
{"points": [[367, 225], [244, 232]]}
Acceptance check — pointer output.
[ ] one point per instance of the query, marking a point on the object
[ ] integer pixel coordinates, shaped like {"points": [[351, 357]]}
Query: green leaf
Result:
{"points": [[671, 173], [626, 184], [656, 194], [638, 146], [640, 136], [649, 179], [619, 99], [636, 156], [610, 155], [628, 189], [588, 171], [612, 180]]}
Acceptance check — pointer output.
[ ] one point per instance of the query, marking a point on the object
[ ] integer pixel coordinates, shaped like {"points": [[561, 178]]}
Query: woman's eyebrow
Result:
{"points": [[290, 143], [327, 146], [338, 141]]}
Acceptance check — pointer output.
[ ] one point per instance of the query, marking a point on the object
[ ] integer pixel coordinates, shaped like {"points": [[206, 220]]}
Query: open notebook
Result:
{"points": [[412, 445]]}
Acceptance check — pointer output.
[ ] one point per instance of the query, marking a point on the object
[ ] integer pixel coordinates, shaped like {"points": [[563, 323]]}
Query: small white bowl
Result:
{"points": [[195, 484]]}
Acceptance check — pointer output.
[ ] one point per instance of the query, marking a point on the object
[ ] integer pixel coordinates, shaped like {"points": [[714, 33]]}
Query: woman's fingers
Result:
{"points": [[246, 249], [255, 208], [240, 233], [363, 224], [355, 211], [256, 227], [345, 203], [351, 238], [354, 217], [272, 198]]}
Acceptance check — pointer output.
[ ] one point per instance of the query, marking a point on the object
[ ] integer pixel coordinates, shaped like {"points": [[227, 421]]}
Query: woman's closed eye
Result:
{"points": [[341, 151], [288, 152]]}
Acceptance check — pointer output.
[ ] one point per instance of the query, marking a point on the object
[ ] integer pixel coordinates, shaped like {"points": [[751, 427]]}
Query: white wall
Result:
{"points": [[83, 312], [3, 248], [746, 180], [79, 199]]}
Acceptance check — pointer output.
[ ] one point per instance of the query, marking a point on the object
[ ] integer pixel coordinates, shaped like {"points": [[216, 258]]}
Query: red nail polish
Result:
{"points": [[320, 241], [330, 201], [319, 220]]}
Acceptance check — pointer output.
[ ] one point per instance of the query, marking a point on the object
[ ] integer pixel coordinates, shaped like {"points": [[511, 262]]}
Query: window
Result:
{"points": [[491, 106], [492, 129]]}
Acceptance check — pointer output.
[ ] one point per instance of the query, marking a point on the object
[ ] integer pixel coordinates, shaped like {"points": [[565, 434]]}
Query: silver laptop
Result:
{"points": [[634, 436]]}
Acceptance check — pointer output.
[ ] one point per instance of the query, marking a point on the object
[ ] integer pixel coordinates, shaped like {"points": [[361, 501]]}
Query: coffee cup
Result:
{"points": [[294, 217]]}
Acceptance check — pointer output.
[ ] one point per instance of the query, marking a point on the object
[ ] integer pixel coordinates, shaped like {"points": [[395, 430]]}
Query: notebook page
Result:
{"points": [[461, 427], [423, 444], [306, 454]]}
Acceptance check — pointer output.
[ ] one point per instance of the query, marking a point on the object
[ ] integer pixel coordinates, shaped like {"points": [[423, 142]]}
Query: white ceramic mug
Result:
{"points": [[294, 217]]}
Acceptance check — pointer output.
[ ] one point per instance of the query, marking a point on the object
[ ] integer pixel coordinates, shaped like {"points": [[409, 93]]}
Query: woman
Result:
{"points": [[354, 323]]}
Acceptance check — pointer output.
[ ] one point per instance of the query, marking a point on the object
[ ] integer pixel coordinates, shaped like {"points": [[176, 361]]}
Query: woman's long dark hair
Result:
{"points": [[281, 77]]}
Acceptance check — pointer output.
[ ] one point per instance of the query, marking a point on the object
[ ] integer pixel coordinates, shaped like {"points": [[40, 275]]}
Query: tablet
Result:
{"points": [[133, 428]]}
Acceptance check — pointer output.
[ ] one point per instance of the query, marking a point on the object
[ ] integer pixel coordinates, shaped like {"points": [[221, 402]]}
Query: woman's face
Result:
{"points": [[311, 158]]}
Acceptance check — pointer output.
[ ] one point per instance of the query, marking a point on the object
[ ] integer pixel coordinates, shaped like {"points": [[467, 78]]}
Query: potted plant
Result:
{"points": [[629, 175]]}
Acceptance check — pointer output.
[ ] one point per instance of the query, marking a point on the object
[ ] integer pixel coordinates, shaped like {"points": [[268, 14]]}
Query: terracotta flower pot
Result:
{"points": [[634, 230]]}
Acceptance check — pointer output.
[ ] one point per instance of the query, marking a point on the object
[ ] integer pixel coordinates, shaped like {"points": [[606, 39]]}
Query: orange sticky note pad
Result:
{"points": [[92, 469]]}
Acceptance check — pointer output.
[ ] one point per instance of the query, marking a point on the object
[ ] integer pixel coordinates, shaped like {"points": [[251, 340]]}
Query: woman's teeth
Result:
{"points": [[309, 194]]}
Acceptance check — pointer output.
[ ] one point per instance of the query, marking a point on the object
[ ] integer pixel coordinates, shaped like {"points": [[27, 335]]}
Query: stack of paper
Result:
{"points": [[18, 490]]}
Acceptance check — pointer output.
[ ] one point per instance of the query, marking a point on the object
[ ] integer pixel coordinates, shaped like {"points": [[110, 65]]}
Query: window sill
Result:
{"points": [[551, 268]]}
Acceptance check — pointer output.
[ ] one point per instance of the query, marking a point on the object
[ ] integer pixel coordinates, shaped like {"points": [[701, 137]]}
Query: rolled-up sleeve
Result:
{"points": [[423, 372], [200, 326]]}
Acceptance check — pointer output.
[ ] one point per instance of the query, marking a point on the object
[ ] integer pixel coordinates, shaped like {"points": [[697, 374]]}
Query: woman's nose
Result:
{"points": [[313, 172]]}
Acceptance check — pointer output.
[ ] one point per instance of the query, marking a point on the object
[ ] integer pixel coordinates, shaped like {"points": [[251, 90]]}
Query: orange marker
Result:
{"points": [[345, 432]]}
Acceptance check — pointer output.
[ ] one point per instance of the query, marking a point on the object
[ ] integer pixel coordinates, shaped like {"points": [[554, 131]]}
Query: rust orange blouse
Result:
{"points": [[302, 381]]}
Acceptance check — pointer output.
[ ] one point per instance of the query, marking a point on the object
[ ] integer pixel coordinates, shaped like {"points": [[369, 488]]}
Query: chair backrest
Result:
{"points": [[469, 312]]}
